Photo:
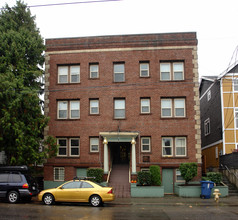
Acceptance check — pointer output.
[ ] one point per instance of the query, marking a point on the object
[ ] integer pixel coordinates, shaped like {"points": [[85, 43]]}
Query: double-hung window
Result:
{"points": [[145, 105], [145, 144], [94, 71], [68, 147], [69, 109], [94, 144], [236, 117], [119, 108], [74, 146], [69, 74], [171, 71], [119, 72], [94, 106], [144, 69], [173, 107], [174, 146]]}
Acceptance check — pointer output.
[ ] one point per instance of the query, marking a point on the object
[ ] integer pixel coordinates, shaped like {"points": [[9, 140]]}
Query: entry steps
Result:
{"points": [[233, 191], [119, 180]]}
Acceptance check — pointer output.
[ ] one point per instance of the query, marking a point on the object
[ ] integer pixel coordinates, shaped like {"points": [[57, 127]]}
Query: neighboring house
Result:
{"points": [[122, 99], [219, 116]]}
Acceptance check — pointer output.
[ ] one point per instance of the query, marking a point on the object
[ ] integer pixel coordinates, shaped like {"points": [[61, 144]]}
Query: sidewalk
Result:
{"points": [[172, 200]]}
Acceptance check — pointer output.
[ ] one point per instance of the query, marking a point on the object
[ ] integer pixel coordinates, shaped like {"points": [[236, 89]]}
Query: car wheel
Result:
{"points": [[95, 200], [48, 199], [13, 196]]}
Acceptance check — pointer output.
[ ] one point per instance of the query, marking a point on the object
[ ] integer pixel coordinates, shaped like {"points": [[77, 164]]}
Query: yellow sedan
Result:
{"points": [[77, 191]]}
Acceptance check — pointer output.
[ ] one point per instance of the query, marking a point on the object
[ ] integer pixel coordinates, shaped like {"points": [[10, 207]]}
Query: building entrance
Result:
{"points": [[120, 152]]}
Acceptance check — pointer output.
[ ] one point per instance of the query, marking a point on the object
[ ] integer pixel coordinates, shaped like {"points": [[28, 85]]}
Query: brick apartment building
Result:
{"points": [[131, 99]]}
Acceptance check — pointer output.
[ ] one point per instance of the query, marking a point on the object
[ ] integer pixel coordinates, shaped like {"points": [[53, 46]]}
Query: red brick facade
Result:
{"points": [[130, 50]]}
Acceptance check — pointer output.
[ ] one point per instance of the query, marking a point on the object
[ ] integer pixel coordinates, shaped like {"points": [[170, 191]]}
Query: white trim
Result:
{"points": [[211, 145], [145, 144], [222, 115], [121, 49]]}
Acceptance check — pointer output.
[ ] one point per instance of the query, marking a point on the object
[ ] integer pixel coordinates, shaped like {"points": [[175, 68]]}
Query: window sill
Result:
{"points": [[175, 157], [69, 83], [67, 119], [173, 118]]}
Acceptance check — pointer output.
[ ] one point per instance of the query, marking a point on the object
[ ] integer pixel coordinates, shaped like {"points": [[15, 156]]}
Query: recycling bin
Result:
{"points": [[206, 188]]}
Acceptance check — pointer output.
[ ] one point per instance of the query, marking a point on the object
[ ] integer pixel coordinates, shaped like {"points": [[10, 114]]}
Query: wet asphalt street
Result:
{"points": [[118, 211]]}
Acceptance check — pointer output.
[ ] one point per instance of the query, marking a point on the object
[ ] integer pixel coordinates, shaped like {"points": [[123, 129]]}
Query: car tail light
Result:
{"points": [[110, 191], [25, 186]]}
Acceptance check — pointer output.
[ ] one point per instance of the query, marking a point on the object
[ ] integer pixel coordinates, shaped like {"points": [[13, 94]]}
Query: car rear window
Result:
{"points": [[4, 177]]}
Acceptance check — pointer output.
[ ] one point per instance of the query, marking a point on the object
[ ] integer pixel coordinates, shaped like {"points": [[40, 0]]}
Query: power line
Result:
{"points": [[70, 3]]}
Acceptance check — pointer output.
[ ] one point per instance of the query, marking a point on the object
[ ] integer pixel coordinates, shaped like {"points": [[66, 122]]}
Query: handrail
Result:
{"points": [[229, 171], [108, 176], [129, 175]]}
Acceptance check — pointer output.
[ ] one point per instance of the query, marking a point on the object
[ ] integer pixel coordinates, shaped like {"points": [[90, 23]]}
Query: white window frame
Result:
{"points": [[93, 71], [115, 109], [236, 118], [171, 146], [70, 147], [179, 116], [65, 72], [94, 104], [235, 84], [92, 139], [77, 73], [115, 72], [166, 108], [209, 95], [64, 147], [142, 144], [77, 109], [171, 69], [207, 127], [60, 109], [185, 147], [147, 105], [175, 71], [144, 68], [61, 171], [68, 72]]}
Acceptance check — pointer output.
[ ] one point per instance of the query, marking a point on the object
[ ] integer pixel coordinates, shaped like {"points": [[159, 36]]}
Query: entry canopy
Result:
{"points": [[119, 136]]}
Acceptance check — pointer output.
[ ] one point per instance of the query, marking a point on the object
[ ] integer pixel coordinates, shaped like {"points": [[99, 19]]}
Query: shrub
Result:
{"points": [[144, 178], [188, 171], [215, 177], [97, 173], [155, 175]]}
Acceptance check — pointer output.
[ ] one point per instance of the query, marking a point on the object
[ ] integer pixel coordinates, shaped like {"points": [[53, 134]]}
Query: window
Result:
{"points": [[58, 173], [62, 151], [167, 146], [94, 106], [119, 72], [86, 185], [173, 107], [236, 117], [207, 126], [145, 105], [16, 178], [72, 185], [69, 74], [72, 106], [94, 71], [94, 144], [68, 146], [179, 177], [180, 146], [235, 85], [74, 147], [145, 144], [119, 109], [209, 95], [144, 69], [172, 71], [174, 144]]}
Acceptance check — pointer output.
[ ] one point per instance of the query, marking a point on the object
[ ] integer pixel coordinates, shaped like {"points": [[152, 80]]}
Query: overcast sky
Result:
{"points": [[215, 22]]}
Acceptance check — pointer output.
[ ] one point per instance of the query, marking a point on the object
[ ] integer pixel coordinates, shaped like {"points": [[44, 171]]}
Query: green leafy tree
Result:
{"points": [[188, 171], [21, 60]]}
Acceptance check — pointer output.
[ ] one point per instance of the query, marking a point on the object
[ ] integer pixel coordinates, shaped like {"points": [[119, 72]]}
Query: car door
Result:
{"points": [[85, 191], [4, 177], [68, 192]]}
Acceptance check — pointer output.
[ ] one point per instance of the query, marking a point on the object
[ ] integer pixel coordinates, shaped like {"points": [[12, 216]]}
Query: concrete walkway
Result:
{"points": [[177, 201]]}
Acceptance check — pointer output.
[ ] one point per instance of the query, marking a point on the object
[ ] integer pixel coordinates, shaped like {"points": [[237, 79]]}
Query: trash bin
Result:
{"points": [[206, 188]]}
